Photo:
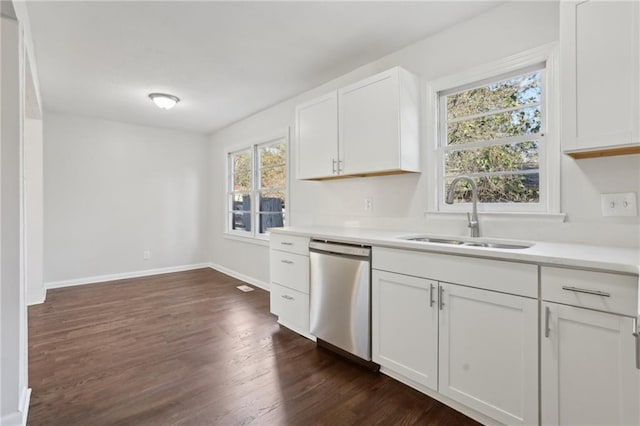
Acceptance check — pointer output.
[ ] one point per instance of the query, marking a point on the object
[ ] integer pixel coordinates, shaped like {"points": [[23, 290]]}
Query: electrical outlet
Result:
{"points": [[368, 204], [146, 255], [619, 204]]}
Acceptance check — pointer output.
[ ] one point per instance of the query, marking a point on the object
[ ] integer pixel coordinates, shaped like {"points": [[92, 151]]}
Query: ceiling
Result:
{"points": [[225, 60]]}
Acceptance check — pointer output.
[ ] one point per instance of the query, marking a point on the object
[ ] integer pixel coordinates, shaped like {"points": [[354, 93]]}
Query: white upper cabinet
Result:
{"points": [[368, 128], [600, 77], [317, 136]]}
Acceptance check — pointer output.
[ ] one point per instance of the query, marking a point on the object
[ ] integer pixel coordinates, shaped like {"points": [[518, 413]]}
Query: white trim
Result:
{"points": [[19, 418], [41, 299], [259, 241], [122, 276], [242, 277], [550, 150]]}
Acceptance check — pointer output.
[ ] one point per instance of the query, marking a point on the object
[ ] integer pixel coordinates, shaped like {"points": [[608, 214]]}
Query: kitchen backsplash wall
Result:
{"points": [[400, 202]]}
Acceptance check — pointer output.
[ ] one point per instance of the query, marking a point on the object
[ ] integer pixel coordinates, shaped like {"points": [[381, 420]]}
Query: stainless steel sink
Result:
{"points": [[467, 243]]}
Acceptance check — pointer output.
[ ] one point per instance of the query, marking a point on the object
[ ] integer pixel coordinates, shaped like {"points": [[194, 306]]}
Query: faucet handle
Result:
{"points": [[469, 225]]}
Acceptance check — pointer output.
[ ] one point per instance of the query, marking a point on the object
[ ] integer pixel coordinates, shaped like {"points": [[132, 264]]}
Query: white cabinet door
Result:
{"points": [[489, 352], [379, 124], [601, 74], [588, 376], [405, 326], [317, 137], [369, 125]]}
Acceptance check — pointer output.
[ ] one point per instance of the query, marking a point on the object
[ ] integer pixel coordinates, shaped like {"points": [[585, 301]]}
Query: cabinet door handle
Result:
{"points": [[334, 165], [286, 243], [431, 301], [586, 291], [636, 334], [339, 166], [547, 314], [441, 297], [284, 296], [288, 262]]}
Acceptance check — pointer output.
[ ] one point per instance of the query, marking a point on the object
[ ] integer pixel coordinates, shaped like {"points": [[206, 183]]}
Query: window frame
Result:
{"points": [[255, 191], [549, 151]]}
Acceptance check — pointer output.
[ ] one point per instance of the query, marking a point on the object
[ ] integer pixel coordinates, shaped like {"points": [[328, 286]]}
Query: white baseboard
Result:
{"points": [[18, 418], [122, 276], [241, 277], [39, 300]]}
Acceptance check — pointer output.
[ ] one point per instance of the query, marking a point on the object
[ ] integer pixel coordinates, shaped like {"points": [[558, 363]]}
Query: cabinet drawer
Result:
{"points": [[291, 307], [290, 243], [290, 270], [508, 277], [596, 290]]}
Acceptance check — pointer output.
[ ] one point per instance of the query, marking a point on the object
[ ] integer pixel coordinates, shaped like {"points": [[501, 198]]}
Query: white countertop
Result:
{"points": [[603, 258]]}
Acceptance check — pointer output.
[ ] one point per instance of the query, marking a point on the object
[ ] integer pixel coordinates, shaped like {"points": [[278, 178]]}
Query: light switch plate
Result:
{"points": [[619, 204]]}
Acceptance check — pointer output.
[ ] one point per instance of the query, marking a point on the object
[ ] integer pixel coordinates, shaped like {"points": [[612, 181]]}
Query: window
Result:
{"points": [[257, 188], [493, 130]]}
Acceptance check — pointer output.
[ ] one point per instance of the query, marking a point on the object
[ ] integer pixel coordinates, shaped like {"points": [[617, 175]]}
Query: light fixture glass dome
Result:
{"points": [[163, 100]]}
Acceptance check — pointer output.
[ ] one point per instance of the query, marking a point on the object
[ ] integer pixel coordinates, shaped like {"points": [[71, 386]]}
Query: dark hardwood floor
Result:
{"points": [[191, 349]]}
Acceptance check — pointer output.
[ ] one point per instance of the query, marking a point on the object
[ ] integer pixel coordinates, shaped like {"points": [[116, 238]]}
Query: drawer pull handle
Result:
{"points": [[431, 287], [284, 296], [636, 334], [441, 297], [547, 314], [286, 243], [288, 262], [582, 290]]}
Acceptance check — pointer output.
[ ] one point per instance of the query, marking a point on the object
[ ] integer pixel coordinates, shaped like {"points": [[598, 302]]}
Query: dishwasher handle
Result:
{"points": [[338, 248]]}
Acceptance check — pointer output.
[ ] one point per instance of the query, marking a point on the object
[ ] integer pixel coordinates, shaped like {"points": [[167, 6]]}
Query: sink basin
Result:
{"points": [[467, 243]]}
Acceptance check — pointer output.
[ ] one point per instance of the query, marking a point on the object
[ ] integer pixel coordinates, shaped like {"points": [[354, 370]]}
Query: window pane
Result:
{"points": [[497, 158], [241, 221], [273, 177], [518, 91], [272, 208], [273, 160], [516, 188], [241, 171], [524, 121], [273, 155], [241, 202]]}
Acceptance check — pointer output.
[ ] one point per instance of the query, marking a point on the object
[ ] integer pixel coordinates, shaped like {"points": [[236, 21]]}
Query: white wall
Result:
{"points": [[113, 190], [400, 201], [33, 204]]}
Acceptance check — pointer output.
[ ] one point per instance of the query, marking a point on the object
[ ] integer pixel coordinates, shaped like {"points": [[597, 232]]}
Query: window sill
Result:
{"points": [[259, 241], [537, 217]]}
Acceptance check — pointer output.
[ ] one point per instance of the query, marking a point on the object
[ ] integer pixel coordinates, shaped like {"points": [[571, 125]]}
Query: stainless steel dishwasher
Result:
{"points": [[340, 295]]}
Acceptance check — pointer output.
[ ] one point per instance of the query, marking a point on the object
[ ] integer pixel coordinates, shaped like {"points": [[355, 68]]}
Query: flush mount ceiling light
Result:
{"points": [[163, 100]]}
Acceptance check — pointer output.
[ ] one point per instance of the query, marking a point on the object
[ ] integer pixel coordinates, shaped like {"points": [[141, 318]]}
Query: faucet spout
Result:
{"points": [[472, 219]]}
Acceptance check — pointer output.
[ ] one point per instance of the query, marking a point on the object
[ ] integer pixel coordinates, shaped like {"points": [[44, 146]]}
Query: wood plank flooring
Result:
{"points": [[191, 349]]}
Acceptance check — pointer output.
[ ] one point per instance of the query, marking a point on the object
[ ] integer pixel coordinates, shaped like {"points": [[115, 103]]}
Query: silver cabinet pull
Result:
{"points": [[586, 291], [284, 296], [334, 165], [286, 243], [431, 287], [547, 314], [441, 297], [339, 166], [636, 334], [288, 262]]}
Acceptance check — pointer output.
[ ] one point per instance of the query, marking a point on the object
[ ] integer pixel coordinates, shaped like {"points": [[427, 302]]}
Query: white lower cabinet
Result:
{"points": [[488, 348], [588, 367], [405, 326], [477, 347]]}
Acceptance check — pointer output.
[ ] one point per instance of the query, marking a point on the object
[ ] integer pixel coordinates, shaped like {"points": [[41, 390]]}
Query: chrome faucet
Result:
{"points": [[472, 218]]}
